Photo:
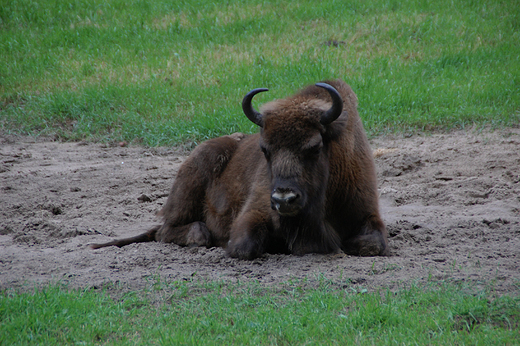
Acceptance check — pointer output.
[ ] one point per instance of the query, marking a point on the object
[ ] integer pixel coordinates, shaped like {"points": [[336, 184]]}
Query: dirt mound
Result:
{"points": [[451, 203]]}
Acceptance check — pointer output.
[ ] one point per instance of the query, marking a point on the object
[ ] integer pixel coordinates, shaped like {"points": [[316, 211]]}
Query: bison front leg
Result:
{"points": [[371, 241], [248, 236]]}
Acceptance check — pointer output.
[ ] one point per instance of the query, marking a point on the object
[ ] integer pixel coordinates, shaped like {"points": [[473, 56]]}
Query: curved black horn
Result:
{"points": [[337, 104], [249, 111]]}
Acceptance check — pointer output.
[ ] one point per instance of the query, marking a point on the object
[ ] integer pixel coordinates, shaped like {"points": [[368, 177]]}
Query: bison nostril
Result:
{"points": [[276, 200], [291, 198], [283, 198], [286, 203]]}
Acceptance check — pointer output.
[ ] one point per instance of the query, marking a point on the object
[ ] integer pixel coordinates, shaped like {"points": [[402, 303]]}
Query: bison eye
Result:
{"points": [[314, 150], [266, 152]]}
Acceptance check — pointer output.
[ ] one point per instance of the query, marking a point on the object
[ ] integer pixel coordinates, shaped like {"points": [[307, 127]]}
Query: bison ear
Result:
{"points": [[337, 104], [249, 111]]}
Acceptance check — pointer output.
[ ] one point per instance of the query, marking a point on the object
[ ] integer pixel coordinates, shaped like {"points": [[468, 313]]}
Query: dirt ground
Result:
{"points": [[451, 203]]}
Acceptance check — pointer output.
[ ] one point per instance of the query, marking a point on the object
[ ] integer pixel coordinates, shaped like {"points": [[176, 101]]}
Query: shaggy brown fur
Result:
{"points": [[224, 192]]}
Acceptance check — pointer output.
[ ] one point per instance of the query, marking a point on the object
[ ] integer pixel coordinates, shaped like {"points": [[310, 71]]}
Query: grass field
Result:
{"points": [[164, 72], [250, 314]]}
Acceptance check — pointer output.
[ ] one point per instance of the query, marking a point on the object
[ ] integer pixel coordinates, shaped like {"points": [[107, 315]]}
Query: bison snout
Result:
{"points": [[286, 203]]}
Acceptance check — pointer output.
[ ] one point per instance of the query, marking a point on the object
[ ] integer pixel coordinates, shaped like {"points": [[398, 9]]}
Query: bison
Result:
{"points": [[305, 184]]}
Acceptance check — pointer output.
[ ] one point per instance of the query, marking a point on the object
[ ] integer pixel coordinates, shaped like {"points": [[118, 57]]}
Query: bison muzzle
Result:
{"points": [[306, 183]]}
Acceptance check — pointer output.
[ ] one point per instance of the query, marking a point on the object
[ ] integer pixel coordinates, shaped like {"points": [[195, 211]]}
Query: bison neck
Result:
{"points": [[305, 234]]}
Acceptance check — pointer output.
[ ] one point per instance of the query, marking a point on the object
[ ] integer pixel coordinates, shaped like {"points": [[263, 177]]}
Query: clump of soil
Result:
{"points": [[451, 203]]}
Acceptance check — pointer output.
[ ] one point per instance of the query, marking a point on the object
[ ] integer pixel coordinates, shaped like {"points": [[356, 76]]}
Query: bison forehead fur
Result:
{"points": [[305, 183]]}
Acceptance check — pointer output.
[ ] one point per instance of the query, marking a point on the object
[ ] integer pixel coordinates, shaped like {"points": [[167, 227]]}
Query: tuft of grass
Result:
{"points": [[225, 313], [162, 72]]}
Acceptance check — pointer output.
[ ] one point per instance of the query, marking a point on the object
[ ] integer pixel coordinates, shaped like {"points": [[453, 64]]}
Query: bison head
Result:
{"points": [[293, 140]]}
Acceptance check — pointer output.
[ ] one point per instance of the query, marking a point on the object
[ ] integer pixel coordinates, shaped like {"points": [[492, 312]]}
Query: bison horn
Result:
{"points": [[337, 104], [248, 109]]}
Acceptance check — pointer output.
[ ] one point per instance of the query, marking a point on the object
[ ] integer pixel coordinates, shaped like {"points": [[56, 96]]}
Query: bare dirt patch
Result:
{"points": [[451, 203]]}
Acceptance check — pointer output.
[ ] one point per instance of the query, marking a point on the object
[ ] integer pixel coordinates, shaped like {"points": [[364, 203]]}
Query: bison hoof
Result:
{"points": [[198, 235], [237, 136]]}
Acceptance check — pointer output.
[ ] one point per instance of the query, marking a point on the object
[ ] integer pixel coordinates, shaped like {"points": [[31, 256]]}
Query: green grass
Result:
{"points": [[163, 72], [223, 313]]}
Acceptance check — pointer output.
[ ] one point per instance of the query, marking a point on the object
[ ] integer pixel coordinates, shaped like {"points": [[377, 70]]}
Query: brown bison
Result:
{"points": [[306, 183]]}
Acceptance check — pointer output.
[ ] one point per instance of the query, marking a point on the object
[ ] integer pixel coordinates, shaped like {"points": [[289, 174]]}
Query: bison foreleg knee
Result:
{"points": [[371, 245], [371, 242], [247, 244], [248, 235], [244, 248]]}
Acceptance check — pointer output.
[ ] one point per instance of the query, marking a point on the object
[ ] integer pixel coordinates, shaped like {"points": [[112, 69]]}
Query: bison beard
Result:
{"points": [[306, 183]]}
